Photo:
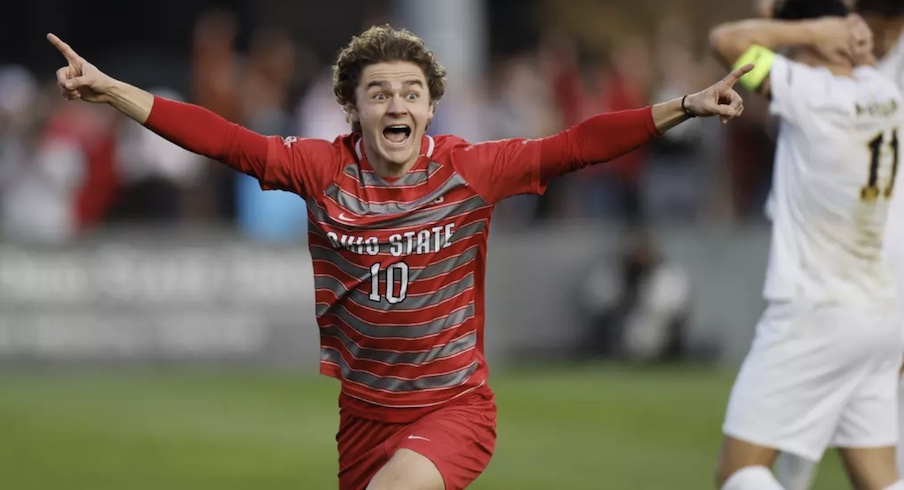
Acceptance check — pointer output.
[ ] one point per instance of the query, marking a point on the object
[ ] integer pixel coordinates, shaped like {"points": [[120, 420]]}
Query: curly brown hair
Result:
{"points": [[380, 44]]}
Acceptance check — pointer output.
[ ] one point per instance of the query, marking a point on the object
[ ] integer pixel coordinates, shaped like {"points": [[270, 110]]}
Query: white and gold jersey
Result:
{"points": [[835, 173]]}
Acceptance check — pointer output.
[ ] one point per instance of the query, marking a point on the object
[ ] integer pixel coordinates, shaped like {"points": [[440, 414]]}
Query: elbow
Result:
{"points": [[729, 41], [718, 38], [722, 42]]}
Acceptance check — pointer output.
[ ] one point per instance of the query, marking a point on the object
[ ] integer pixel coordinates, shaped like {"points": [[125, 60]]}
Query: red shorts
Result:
{"points": [[459, 439]]}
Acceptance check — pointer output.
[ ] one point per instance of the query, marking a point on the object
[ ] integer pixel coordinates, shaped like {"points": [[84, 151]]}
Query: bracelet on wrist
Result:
{"points": [[684, 108]]}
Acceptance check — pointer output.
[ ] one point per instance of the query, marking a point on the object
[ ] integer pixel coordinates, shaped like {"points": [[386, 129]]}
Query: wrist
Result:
{"points": [[685, 107], [130, 100], [667, 115]]}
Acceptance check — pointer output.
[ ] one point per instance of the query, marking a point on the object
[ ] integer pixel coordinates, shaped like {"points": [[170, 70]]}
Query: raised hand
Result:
{"points": [[80, 79], [862, 41], [720, 99], [836, 38]]}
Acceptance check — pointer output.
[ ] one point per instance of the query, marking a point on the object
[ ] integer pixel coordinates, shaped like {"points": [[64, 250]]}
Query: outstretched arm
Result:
{"points": [[189, 126], [503, 168], [606, 136]]}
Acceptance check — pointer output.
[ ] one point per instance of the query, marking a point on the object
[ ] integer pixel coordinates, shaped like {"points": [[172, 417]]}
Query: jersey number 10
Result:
{"points": [[396, 283], [871, 190]]}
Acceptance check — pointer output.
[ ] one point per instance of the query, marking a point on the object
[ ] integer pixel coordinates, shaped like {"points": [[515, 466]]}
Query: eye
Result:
{"points": [[379, 96], [412, 96]]}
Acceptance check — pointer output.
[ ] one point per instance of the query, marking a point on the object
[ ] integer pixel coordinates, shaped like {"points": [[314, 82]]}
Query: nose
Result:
{"points": [[397, 106]]}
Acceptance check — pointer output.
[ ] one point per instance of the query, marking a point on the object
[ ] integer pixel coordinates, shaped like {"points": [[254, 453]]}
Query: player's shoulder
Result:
{"points": [[458, 154], [445, 143], [797, 84], [447, 148], [349, 147], [793, 71], [826, 92], [341, 148], [452, 144], [819, 81]]}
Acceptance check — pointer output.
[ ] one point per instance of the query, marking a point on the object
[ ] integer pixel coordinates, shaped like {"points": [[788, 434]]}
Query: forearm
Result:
{"points": [[131, 101], [595, 140], [667, 115], [201, 131], [732, 39]]}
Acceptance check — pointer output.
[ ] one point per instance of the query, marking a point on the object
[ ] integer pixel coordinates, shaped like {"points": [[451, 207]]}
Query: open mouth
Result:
{"points": [[397, 133]]}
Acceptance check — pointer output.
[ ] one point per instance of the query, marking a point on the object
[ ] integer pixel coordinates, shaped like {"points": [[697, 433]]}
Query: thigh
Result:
{"points": [[868, 431], [794, 384], [362, 450], [870, 418], [459, 439], [408, 470]]}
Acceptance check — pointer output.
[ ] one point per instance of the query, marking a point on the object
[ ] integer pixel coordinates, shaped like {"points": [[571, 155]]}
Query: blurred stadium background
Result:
{"points": [[156, 316]]}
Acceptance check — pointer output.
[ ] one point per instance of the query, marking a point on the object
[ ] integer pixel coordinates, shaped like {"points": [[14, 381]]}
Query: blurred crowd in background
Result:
{"points": [[67, 169]]}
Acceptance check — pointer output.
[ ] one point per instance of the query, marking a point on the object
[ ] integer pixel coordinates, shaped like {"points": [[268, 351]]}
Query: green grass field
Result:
{"points": [[577, 428]]}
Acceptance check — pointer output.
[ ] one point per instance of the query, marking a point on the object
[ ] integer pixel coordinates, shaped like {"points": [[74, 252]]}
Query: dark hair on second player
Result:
{"points": [[883, 8], [808, 9], [380, 44]]}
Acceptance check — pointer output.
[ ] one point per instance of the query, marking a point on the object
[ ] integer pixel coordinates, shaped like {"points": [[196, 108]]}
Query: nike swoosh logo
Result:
{"points": [[419, 437], [343, 217]]}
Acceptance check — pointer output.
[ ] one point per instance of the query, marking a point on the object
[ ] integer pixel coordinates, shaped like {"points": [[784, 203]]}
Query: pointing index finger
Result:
{"points": [[64, 49], [733, 77]]}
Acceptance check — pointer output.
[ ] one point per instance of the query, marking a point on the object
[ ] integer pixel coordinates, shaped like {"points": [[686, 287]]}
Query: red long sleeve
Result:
{"points": [[203, 132], [595, 140], [502, 168]]}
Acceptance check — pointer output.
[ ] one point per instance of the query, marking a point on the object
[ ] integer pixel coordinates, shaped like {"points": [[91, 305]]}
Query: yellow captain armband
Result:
{"points": [[762, 59]]}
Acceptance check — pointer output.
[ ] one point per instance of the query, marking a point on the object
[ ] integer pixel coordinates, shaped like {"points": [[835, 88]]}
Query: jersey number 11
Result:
{"points": [[871, 190]]}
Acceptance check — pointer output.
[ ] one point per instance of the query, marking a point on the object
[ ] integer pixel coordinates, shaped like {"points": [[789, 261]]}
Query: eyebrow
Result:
{"points": [[385, 85]]}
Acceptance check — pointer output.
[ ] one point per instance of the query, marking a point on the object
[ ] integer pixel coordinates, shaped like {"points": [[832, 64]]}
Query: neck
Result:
{"points": [[385, 168]]}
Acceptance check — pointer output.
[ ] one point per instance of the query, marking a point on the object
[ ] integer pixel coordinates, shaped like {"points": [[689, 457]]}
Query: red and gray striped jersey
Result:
{"points": [[399, 263]]}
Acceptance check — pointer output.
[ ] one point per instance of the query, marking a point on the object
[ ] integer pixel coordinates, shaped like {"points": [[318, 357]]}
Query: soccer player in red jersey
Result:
{"points": [[398, 236]]}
